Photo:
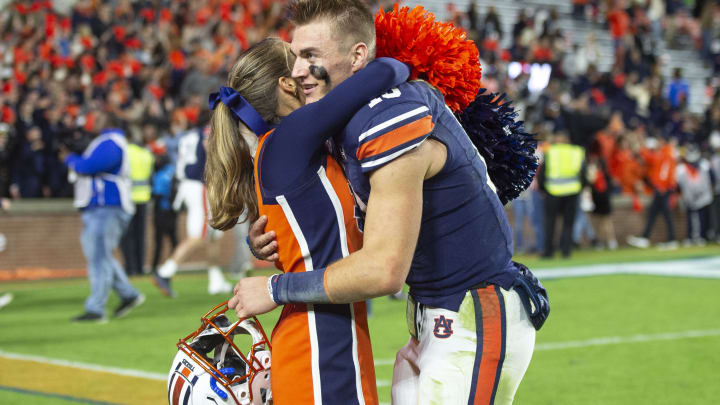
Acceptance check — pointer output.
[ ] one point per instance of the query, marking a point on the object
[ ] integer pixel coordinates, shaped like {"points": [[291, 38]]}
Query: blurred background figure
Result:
{"points": [[522, 209], [191, 194], [102, 192], [696, 182], [583, 228], [142, 163], [6, 147], [164, 216], [601, 185], [5, 299], [561, 176], [715, 164], [30, 172], [659, 157]]}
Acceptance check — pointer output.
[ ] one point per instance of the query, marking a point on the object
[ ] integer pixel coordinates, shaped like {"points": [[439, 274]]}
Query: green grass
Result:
{"points": [[654, 372], [9, 397]]}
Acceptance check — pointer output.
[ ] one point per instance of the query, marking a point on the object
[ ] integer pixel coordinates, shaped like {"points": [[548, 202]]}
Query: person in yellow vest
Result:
{"points": [[132, 245], [561, 177]]}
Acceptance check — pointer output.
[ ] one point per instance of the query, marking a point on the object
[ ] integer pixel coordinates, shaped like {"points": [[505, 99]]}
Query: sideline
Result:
{"points": [[708, 267]]}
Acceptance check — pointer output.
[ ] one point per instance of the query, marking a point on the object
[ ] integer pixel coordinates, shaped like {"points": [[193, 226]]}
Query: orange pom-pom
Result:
{"points": [[437, 52]]}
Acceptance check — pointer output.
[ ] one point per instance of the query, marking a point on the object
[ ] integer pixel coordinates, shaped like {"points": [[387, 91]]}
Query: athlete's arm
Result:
{"points": [[392, 226]]}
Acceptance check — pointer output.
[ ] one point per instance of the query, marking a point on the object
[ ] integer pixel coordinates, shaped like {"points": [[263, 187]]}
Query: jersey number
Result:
{"points": [[393, 93]]}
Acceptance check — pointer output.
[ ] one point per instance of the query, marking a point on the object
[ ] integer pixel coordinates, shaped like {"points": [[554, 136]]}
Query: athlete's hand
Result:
{"points": [[264, 244], [251, 297]]}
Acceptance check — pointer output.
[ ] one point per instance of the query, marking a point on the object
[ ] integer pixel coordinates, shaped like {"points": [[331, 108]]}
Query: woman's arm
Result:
{"points": [[310, 126]]}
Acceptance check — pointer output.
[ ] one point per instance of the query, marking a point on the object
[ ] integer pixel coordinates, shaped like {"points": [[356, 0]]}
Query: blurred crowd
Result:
{"points": [[151, 64], [635, 126]]}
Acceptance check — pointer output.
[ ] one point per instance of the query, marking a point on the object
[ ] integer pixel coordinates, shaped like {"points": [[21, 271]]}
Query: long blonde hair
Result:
{"points": [[229, 166]]}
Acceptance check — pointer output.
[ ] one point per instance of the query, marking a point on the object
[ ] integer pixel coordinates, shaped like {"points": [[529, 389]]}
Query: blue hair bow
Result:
{"points": [[241, 109]]}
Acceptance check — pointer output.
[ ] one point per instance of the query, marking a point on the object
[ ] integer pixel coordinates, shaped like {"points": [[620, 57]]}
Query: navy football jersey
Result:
{"points": [[191, 156], [465, 238]]}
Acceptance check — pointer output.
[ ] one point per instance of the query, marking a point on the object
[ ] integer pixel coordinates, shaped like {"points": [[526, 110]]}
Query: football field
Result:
{"points": [[622, 338]]}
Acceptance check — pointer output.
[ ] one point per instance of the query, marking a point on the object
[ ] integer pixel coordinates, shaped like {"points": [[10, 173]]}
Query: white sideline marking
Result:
{"points": [[86, 366], [612, 340], [696, 268]]}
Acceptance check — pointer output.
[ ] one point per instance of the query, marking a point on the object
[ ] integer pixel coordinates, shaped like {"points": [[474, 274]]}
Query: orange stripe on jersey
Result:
{"points": [[340, 184], [396, 137], [365, 355], [491, 345], [292, 379]]}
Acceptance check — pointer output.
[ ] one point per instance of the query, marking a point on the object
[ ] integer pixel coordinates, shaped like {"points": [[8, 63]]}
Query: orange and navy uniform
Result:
{"points": [[460, 209], [321, 352]]}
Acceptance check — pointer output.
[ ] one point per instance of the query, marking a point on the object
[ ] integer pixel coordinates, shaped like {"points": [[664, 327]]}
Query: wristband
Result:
{"points": [[254, 253], [272, 280], [306, 287]]}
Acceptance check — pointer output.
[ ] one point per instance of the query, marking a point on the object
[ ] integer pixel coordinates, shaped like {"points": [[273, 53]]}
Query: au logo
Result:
{"points": [[443, 327]]}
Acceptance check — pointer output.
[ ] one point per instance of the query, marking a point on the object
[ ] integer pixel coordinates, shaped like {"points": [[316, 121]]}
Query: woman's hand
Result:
{"points": [[251, 297]]}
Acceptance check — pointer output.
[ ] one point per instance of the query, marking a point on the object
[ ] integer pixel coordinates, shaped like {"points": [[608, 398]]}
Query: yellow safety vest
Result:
{"points": [[141, 167], [563, 163]]}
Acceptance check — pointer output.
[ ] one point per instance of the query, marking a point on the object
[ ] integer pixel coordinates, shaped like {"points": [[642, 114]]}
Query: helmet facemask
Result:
{"points": [[233, 376]]}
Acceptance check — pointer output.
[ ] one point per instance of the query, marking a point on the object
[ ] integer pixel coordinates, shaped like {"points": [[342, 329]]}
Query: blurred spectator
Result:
{"points": [[660, 177], [715, 164], [472, 17], [561, 176], [579, 8], [164, 216], [582, 227], [6, 146], [656, 14], [522, 208], [695, 180], [601, 184], [102, 192], [491, 25], [678, 90], [581, 123], [141, 163], [619, 23], [30, 170]]}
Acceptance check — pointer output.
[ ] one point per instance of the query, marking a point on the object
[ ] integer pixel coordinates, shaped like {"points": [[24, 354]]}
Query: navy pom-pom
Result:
{"points": [[508, 150]]}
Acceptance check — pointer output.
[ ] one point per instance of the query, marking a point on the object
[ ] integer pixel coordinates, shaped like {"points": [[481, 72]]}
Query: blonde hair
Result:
{"points": [[352, 20], [229, 166]]}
